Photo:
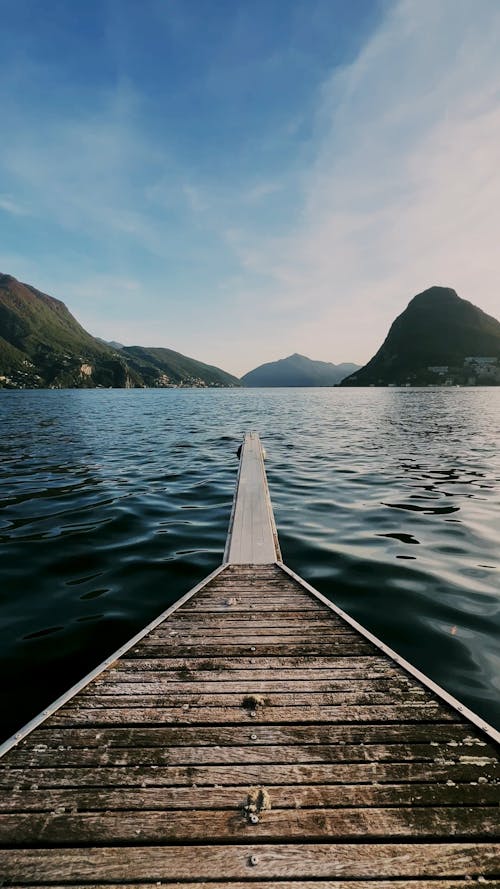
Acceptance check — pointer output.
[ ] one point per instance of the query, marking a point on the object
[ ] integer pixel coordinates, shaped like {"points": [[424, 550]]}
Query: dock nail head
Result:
{"points": [[253, 818], [253, 860], [253, 648]]}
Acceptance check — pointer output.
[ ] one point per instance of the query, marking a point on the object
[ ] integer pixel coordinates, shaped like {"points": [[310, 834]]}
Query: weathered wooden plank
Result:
{"points": [[253, 574], [219, 609], [265, 637], [263, 587], [260, 587], [254, 602], [257, 645], [281, 601], [238, 607], [258, 603], [259, 582], [217, 826], [265, 591], [163, 686], [250, 627], [248, 701], [362, 666], [278, 581], [297, 796], [284, 601], [288, 616], [265, 619], [448, 734], [189, 715], [42, 757], [235, 677], [270, 635], [279, 633], [281, 884], [262, 774], [302, 860], [223, 638]]}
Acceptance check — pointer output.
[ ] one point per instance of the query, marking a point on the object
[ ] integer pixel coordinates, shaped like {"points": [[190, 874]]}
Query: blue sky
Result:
{"points": [[242, 180]]}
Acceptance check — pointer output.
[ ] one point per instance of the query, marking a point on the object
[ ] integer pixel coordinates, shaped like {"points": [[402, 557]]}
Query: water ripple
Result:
{"points": [[114, 503]]}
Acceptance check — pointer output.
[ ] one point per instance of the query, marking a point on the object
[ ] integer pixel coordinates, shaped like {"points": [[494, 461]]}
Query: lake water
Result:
{"points": [[114, 503]]}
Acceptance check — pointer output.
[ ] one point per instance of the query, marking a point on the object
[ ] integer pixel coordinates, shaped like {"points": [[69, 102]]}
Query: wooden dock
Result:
{"points": [[252, 736]]}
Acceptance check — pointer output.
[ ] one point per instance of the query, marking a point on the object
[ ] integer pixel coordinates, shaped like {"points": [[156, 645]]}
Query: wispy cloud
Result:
{"points": [[262, 190], [88, 169], [14, 207]]}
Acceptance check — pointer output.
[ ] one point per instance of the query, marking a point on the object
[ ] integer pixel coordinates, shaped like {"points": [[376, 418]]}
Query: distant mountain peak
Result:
{"points": [[297, 370]]}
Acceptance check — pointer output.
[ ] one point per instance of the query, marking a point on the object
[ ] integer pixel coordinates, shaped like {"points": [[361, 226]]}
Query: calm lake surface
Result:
{"points": [[114, 503]]}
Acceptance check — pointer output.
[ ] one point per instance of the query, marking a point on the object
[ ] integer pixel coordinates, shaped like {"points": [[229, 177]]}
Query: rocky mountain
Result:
{"points": [[43, 346], [297, 370], [438, 339]]}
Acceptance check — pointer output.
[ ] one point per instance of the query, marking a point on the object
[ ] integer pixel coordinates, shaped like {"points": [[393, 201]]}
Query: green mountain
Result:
{"points": [[43, 346], [297, 370], [438, 339], [157, 366]]}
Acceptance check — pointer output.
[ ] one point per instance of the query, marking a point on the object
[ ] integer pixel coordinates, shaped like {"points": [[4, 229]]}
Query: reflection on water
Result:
{"points": [[113, 503], [403, 538]]}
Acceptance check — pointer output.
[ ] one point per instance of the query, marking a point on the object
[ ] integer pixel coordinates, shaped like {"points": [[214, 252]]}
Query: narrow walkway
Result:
{"points": [[252, 738], [252, 537]]}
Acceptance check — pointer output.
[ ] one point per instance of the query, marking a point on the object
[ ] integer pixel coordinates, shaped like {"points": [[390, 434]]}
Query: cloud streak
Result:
{"points": [[8, 205]]}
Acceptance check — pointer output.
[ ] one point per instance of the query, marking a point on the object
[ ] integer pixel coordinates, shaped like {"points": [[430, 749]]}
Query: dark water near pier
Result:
{"points": [[114, 503]]}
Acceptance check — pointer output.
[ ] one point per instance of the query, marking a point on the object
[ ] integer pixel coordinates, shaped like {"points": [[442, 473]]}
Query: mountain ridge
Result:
{"points": [[298, 371], [43, 346]]}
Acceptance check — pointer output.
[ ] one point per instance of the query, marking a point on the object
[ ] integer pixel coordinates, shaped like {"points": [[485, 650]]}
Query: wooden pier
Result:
{"points": [[252, 736]]}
